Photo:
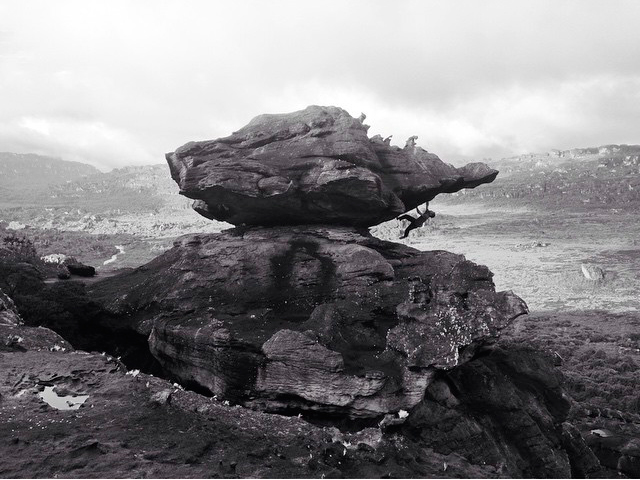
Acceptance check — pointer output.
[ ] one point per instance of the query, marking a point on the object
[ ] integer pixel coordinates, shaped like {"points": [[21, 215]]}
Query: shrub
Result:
{"points": [[17, 247]]}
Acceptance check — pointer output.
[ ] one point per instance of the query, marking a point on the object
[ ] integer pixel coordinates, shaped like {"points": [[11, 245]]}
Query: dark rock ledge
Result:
{"points": [[326, 318], [313, 166]]}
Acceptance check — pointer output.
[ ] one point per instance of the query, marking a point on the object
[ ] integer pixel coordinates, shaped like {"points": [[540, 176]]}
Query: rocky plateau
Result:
{"points": [[308, 347]]}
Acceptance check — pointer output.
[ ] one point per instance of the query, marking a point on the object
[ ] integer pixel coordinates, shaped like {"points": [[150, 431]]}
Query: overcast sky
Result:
{"points": [[116, 83]]}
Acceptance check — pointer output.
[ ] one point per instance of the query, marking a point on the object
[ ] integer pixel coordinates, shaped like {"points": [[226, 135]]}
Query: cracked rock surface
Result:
{"points": [[135, 425], [326, 319], [313, 166]]}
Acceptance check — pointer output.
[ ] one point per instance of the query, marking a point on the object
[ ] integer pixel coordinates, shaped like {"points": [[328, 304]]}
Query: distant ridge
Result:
{"points": [[134, 189], [47, 192], [606, 176], [26, 177], [30, 170], [37, 181], [611, 150]]}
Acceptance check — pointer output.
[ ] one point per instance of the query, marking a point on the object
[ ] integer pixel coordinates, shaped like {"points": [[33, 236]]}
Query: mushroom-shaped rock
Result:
{"points": [[314, 166]]}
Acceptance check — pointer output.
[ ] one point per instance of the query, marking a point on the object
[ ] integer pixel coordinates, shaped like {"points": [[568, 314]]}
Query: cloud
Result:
{"points": [[101, 145], [121, 81], [514, 120]]}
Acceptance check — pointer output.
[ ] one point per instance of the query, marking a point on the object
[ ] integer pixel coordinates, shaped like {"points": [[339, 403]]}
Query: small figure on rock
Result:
{"points": [[387, 141], [411, 141], [419, 221]]}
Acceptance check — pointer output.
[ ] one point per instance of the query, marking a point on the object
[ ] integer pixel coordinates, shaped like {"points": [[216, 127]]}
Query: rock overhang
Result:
{"points": [[300, 304], [313, 166]]}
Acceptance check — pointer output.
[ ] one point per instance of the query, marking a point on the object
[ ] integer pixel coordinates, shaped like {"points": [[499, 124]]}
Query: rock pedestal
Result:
{"points": [[299, 310], [323, 318]]}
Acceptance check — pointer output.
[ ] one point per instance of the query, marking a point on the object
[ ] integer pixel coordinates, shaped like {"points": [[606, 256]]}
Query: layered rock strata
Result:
{"points": [[314, 166], [315, 318], [300, 308], [506, 408], [135, 425]]}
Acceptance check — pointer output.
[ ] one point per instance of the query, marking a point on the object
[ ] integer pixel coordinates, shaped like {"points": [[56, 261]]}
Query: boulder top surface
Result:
{"points": [[313, 166]]}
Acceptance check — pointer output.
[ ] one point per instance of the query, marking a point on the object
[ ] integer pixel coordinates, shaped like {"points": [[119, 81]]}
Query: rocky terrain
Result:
{"points": [[540, 253], [133, 424], [580, 178], [313, 166], [140, 201], [307, 346], [23, 177]]}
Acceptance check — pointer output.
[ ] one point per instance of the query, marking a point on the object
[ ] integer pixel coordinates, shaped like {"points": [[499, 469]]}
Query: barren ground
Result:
{"points": [[539, 254], [592, 327]]}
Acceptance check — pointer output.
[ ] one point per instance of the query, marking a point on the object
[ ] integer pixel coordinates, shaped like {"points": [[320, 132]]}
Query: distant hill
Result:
{"points": [[127, 190], [35, 181], [50, 193], [606, 176], [24, 177]]}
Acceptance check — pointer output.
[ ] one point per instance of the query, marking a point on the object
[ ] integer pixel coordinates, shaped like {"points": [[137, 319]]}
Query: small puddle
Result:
{"points": [[68, 402]]}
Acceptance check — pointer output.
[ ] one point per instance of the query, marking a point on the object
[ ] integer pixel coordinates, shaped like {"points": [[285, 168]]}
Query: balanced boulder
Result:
{"points": [[314, 166], [301, 311]]}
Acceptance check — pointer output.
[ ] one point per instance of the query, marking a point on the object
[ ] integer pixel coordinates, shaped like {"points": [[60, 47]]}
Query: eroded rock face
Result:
{"points": [[314, 166], [617, 452], [500, 414], [506, 408], [17, 337], [315, 318], [215, 440], [8, 312]]}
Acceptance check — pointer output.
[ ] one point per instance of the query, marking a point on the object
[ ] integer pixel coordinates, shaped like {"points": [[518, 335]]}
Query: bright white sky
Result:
{"points": [[116, 83]]}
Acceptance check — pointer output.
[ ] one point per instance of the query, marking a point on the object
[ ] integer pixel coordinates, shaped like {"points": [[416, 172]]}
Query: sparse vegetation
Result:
{"points": [[598, 352], [584, 179], [14, 245]]}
